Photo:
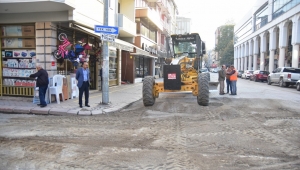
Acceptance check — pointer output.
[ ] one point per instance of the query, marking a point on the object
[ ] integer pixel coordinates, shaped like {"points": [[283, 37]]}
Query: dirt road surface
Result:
{"points": [[176, 133]]}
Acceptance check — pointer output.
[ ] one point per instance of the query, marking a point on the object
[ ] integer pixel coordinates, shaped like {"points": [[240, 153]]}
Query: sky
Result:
{"points": [[207, 15]]}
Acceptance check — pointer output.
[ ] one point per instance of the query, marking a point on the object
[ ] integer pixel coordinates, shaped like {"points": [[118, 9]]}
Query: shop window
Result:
{"points": [[142, 67], [18, 55], [113, 64]]}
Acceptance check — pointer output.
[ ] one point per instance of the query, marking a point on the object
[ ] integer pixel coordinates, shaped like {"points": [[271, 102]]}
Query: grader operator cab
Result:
{"points": [[182, 73]]}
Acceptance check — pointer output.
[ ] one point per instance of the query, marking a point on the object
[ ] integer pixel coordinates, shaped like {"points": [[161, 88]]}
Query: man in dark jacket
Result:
{"points": [[42, 83], [221, 79]]}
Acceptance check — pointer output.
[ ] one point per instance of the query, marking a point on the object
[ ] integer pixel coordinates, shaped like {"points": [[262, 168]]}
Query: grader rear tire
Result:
{"points": [[203, 90], [148, 84]]}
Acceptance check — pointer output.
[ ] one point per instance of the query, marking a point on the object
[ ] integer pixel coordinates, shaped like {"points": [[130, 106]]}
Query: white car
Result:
{"points": [[247, 74], [298, 85], [214, 70]]}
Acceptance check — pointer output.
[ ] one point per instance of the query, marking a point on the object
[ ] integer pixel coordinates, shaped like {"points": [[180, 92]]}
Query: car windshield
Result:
{"points": [[186, 48], [203, 70], [251, 72], [291, 70]]}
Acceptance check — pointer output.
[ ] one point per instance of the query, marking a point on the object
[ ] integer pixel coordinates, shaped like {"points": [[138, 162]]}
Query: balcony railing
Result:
{"points": [[126, 25]]}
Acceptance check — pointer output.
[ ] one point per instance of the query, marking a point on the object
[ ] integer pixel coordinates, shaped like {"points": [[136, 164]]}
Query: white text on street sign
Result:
{"points": [[106, 29]]}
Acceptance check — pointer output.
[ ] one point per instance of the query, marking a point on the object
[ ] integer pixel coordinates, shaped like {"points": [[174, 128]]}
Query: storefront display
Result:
{"points": [[113, 67], [18, 59]]}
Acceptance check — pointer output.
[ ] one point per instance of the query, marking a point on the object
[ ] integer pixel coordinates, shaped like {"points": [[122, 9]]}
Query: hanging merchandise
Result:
{"points": [[62, 52], [87, 46], [71, 55], [78, 48]]}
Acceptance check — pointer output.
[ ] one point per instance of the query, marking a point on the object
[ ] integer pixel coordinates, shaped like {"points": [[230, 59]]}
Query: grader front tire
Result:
{"points": [[148, 84], [203, 90]]}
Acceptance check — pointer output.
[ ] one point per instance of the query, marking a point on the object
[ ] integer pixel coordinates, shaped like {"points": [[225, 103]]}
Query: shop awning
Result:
{"points": [[140, 52], [87, 30]]}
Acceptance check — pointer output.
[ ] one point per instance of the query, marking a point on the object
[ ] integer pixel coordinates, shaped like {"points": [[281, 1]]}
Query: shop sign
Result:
{"points": [[107, 37], [151, 50], [172, 76]]}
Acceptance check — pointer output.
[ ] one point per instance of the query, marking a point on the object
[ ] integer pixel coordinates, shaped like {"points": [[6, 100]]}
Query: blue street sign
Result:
{"points": [[106, 29]]}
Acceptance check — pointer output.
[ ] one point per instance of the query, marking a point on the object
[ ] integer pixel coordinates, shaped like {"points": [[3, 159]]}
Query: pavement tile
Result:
{"points": [[84, 113], [7, 109], [40, 111], [24, 110], [59, 111]]}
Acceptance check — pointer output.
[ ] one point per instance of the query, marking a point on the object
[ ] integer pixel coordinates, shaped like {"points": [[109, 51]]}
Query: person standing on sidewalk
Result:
{"points": [[101, 78], [221, 79], [228, 83], [233, 79], [82, 76], [42, 83]]}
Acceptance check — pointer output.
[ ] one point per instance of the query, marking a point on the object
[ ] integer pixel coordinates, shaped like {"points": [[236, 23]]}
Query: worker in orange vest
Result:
{"points": [[233, 79]]}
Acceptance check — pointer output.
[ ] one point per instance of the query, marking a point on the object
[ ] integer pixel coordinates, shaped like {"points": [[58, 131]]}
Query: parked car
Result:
{"points": [[285, 76], [247, 74], [214, 70], [298, 85], [240, 72], [259, 75]]}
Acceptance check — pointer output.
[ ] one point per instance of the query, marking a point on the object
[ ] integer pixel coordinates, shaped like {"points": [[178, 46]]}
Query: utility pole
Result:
{"points": [[105, 69]]}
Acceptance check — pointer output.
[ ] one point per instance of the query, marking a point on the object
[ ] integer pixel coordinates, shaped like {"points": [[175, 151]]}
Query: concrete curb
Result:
{"points": [[7, 109], [62, 111], [85, 113], [59, 112], [40, 111], [97, 112], [23, 110], [121, 106], [72, 112]]}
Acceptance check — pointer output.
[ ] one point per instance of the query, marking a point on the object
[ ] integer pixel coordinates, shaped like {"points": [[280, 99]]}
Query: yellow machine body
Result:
{"points": [[189, 78]]}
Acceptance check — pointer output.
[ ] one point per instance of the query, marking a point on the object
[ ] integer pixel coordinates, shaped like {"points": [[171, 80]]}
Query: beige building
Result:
{"points": [[32, 28], [183, 25]]}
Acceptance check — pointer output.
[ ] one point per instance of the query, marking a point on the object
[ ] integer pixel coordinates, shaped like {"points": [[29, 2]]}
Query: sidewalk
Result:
{"points": [[119, 97]]}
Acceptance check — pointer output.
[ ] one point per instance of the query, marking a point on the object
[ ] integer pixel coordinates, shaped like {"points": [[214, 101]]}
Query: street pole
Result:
{"points": [[105, 68]]}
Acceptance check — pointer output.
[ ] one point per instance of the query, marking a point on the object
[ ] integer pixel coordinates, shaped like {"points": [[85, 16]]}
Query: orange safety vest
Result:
{"points": [[233, 77]]}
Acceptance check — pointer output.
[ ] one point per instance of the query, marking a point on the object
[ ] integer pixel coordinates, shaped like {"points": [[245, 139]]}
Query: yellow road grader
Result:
{"points": [[183, 73]]}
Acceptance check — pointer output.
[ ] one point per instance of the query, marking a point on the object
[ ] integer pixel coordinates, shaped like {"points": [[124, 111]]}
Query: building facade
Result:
{"points": [[183, 25], [30, 34], [268, 36], [138, 51], [155, 21]]}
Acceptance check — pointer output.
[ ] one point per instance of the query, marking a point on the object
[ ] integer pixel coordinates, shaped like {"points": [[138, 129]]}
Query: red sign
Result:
{"points": [[172, 76], [52, 63]]}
